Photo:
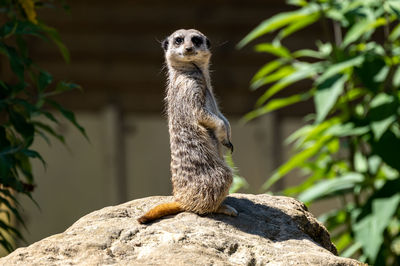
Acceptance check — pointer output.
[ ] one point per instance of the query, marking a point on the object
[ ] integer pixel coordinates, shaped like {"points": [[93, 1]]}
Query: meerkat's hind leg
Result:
{"points": [[227, 209]]}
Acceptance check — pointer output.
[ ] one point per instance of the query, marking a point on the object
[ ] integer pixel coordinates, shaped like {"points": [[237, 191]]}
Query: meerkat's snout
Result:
{"points": [[189, 49]]}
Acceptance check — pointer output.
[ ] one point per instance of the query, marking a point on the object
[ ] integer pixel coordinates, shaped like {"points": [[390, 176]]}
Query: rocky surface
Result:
{"points": [[269, 230]]}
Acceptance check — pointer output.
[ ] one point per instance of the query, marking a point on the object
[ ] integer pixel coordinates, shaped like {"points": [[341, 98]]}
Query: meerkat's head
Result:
{"points": [[183, 48]]}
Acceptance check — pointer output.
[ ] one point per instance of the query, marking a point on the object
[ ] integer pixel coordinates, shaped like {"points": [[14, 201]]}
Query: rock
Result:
{"points": [[269, 230]]}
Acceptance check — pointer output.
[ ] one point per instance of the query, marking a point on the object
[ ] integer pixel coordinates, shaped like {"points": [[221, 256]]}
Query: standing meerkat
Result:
{"points": [[197, 129]]}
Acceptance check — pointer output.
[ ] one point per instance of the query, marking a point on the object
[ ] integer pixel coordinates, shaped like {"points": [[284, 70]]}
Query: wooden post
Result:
{"points": [[115, 152]]}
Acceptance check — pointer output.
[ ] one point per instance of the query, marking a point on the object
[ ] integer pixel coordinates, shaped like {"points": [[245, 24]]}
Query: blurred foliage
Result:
{"points": [[350, 147], [238, 182], [25, 91]]}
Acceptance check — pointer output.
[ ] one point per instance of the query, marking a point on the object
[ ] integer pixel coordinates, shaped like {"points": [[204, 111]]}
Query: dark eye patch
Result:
{"points": [[197, 41], [178, 40]]}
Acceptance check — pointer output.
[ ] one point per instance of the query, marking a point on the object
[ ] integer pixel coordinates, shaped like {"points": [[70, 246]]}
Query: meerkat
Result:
{"points": [[200, 176]]}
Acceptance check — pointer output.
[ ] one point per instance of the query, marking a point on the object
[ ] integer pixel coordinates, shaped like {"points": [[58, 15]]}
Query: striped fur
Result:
{"points": [[197, 129]]}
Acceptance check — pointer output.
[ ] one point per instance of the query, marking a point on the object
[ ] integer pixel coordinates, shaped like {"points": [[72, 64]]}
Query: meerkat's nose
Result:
{"points": [[189, 49]]}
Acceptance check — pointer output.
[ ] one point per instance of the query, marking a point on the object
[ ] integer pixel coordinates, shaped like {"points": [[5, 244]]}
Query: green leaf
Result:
{"points": [[25, 166], [340, 68], [310, 132], [25, 128], [374, 162], [327, 94], [300, 134], [350, 251], [10, 229], [276, 104], [28, 108], [347, 129], [49, 130], [394, 6], [330, 187], [309, 182], [277, 50], [33, 154], [28, 28], [360, 28], [308, 53], [303, 71], [63, 86], [334, 218], [369, 230], [295, 161], [396, 78], [390, 188], [382, 74], [44, 80], [372, 71], [350, 95], [325, 49], [277, 75], [7, 203], [276, 22], [298, 24], [387, 148], [55, 37], [16, 63], [50, 116], [395, 34], [8, 29], [382, 113], [4, 142], [266, 69], [238, 181], [336, 15], [355, 32], [297, 2], [380, 127], [360, 162], [283, 102], [343, 241], [68, 115]]}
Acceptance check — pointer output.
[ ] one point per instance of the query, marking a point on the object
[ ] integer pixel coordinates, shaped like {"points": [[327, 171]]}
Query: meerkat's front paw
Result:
{"points": [[228, 144], [223, 135]]}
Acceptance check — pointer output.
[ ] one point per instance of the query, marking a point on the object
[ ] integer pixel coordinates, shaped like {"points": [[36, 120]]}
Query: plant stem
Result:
{"points": [[325, 28], [387, 46], [386, 27], [337, 33], [348, 224]]}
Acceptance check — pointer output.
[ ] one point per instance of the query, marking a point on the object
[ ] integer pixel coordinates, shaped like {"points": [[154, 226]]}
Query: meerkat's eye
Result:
{"points": [[178, 40], [197, 40]]}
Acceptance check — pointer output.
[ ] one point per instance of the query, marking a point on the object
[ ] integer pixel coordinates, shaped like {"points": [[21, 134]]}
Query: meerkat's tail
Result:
{"points": [[160, 211]]}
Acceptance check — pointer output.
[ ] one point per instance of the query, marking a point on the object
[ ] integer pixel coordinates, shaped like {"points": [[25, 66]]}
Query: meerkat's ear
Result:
{"points": [[208, 43], [164, 44]]}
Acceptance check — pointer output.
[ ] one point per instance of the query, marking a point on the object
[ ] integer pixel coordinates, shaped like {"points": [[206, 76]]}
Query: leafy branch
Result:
{"points": [[349, 150], [25, 98]]}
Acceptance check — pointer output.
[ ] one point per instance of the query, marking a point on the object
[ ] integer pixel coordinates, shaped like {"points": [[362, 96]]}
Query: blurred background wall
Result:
{"points": [[116, 57]]}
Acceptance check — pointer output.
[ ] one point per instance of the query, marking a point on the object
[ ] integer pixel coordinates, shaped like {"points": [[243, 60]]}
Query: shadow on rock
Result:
{"points": [[274, 224]]}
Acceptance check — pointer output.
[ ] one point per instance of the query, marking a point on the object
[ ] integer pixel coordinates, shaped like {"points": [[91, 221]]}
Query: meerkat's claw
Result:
{"points": [[228, 144], [227, 209]]}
